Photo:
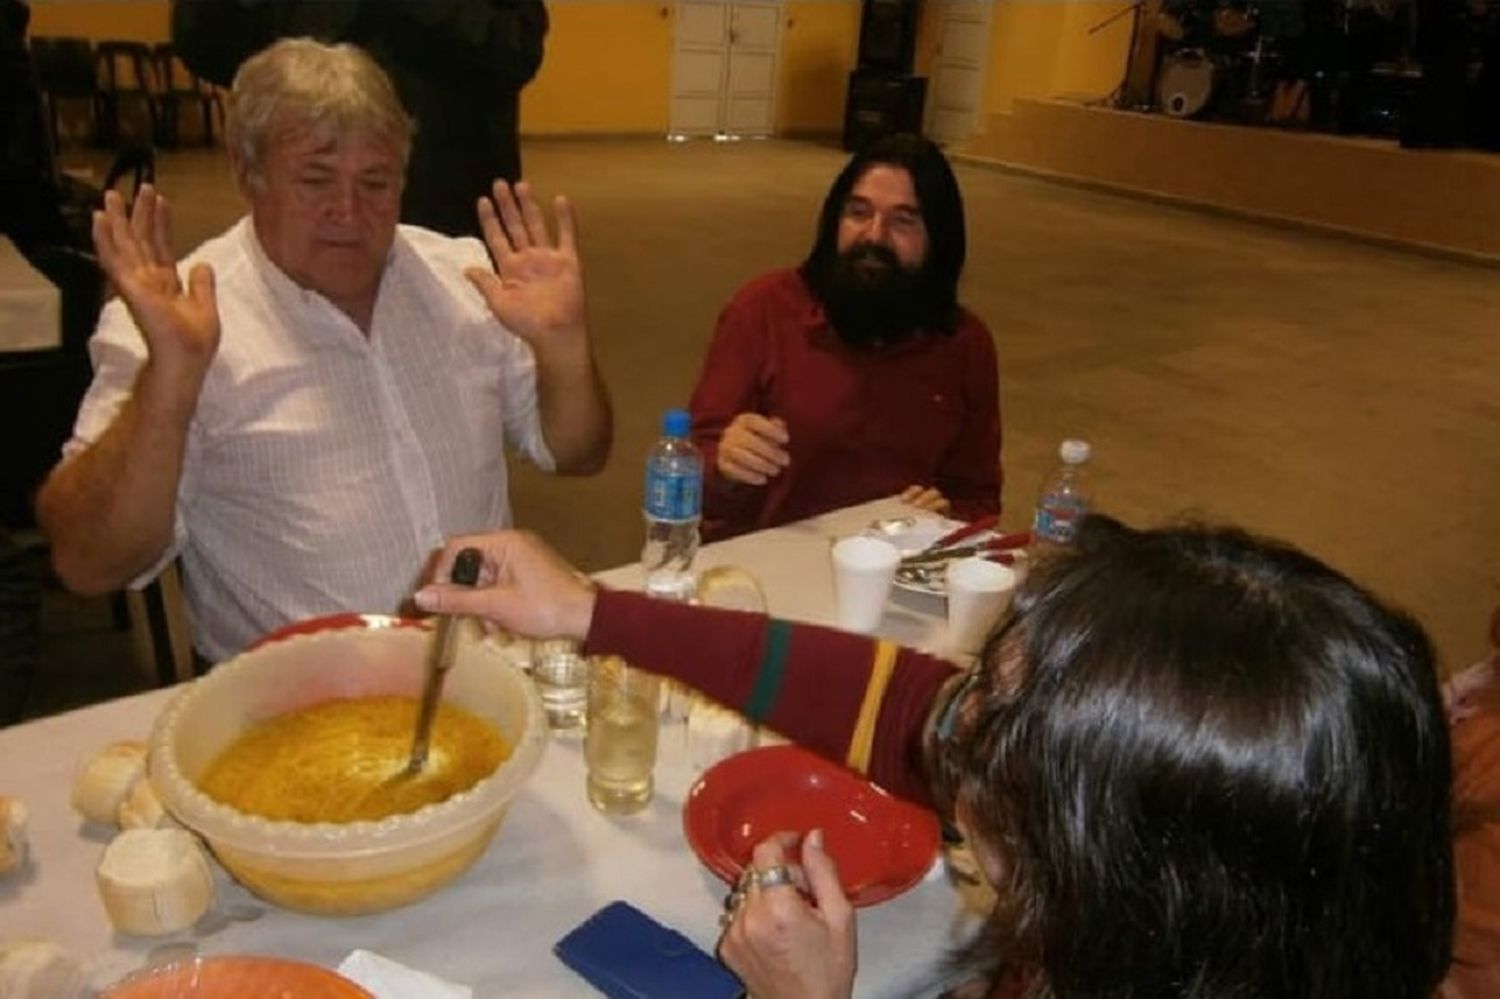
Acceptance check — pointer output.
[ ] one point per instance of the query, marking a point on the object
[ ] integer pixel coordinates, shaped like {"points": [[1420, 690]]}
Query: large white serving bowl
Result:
{"points": [[355, 867]]}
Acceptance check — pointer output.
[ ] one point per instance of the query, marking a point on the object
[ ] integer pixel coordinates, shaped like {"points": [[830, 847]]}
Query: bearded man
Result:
{"points": [[858, 374]]}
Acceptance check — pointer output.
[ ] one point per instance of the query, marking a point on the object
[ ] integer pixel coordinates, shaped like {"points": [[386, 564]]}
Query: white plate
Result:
{"points": [[919, 535], [922, 532]]}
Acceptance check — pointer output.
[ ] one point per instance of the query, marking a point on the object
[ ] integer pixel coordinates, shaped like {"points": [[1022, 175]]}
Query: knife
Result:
{"points": [[968, 530], [466, 573], [1004, 542]]}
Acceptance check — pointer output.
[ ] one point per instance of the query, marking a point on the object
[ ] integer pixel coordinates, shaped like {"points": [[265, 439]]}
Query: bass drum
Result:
{"points": [[1186, 83]]}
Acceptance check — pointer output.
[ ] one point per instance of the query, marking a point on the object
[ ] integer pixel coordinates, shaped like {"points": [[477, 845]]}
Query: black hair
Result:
{"points": [[942, 213], [1224, 773]]}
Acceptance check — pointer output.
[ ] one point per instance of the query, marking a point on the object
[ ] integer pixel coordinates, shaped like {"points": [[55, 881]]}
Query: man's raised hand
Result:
{"points": [[180, 324], [536, 288]]}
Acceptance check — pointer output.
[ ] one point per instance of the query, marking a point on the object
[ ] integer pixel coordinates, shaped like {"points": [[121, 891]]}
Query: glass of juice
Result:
{"points": [[619, 746]]}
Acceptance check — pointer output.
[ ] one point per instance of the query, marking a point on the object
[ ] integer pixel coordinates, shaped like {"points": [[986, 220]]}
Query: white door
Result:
{"points": [[724, 65], [955, 94]]}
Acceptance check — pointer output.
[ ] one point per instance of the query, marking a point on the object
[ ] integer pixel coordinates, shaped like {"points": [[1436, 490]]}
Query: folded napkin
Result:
{"points": [[387, 979]]}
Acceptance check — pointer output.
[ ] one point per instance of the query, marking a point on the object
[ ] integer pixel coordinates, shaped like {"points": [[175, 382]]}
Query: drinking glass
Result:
{"points": [[562, 675], [619, 747]]}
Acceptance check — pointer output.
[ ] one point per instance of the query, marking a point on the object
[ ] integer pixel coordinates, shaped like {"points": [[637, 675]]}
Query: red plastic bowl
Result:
{"points": [[335, 622], [882, 845], [236, 978]]}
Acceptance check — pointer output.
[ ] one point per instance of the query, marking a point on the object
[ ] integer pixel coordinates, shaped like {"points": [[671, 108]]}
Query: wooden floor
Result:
{"points": [[1340, 395]]}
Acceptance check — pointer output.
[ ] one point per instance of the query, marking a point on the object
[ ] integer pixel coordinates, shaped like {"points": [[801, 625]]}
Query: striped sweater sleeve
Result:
{"points": [[859, 701]]}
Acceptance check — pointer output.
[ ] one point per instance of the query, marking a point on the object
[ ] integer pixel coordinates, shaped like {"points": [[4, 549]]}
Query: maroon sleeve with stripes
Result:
{"points": [[719, 653], [712, 650]]}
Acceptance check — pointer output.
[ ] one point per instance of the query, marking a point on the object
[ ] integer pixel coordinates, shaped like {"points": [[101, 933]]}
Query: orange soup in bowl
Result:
{"points": [[343, 761]]}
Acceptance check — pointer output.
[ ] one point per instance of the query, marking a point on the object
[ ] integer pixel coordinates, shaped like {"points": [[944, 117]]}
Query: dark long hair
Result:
{"points": [[1225, 773], [942, 212]]}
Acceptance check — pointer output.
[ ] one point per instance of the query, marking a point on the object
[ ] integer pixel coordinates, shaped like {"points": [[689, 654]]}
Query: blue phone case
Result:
{"points": [[626, 954]]}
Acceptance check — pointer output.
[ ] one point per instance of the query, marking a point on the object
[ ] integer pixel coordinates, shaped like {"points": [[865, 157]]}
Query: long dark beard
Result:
{"points": [[870, 298]]}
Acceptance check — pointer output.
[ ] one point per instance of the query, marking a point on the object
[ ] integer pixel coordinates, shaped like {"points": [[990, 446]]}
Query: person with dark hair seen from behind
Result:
{"points": [[458, 65], [310, 402], [1474, 708], [858, 374], [1193, 763]]}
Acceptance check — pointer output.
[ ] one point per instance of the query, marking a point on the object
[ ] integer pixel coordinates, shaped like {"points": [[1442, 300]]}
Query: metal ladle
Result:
{"points": [[466, 573]]}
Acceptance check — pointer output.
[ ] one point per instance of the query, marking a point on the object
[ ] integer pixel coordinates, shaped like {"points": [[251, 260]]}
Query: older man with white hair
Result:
{"points": [[310, 402]]}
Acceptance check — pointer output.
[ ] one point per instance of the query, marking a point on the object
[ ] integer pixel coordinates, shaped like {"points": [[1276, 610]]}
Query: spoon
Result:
{"points": [[891, 526], [921, 575], [465, 572]]}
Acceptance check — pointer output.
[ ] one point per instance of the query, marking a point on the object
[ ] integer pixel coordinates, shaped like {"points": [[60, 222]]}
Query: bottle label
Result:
{"points": [[1057, 522], [673, 496]]}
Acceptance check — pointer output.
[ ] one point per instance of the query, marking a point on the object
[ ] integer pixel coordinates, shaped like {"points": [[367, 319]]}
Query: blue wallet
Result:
{"points": [[626, 954]]}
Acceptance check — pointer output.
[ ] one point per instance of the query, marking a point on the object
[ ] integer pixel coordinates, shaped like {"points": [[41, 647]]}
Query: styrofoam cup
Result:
{"points": [[978, 593], [863, 569]]}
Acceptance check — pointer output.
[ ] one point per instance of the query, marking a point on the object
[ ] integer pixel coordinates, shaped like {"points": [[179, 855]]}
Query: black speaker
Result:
{"points": [[881, 104], [888, 35]]}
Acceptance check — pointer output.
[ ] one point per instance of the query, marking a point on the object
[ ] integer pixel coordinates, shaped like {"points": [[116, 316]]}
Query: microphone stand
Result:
{"points": [[1124, 98]]}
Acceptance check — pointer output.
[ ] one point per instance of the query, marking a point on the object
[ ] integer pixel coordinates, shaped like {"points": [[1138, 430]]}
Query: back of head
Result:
{"points": [[302, 85], [941, 203], [1225, 773]]}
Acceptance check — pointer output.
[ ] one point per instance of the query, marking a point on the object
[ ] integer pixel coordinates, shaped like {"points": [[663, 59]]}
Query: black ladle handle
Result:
{"points": [[466, 567], [465, 572]]}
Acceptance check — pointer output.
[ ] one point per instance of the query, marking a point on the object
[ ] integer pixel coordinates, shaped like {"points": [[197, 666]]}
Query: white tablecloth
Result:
{"points": [[553, 863], [30, 305]]}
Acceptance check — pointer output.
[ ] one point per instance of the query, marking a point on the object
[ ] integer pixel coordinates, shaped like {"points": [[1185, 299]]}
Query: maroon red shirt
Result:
{"points": [[863, 422]]}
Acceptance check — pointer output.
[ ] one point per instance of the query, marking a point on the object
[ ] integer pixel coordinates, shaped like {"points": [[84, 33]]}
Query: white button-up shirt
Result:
{"points": [[323, 466]]}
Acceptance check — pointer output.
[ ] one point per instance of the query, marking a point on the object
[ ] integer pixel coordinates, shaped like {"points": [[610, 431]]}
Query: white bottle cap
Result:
{"points": [[1074, 452]]}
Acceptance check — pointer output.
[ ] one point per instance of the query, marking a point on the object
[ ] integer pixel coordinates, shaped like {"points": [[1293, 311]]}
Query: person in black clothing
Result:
{"points": [[31, 209], [458, 66]]}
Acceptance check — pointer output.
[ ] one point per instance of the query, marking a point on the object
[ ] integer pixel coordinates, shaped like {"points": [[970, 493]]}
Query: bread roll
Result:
{"points": [[142, 809], [41, 969], [154, 881], [12, 838], [105, 779]]}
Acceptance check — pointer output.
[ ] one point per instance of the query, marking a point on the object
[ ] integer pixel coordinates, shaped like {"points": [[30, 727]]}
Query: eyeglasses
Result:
{"points": [[953, 729], [901, 219]]}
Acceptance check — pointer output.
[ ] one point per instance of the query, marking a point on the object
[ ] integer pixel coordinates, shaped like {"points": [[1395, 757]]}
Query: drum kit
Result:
{"points": [[1269, 64], [1224, 67]]}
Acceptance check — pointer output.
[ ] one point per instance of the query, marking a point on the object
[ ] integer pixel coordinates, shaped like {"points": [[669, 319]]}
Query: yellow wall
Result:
{"points": [[609, 62], [817, 51], [123, 20], [1041, 48], [608, 69]]}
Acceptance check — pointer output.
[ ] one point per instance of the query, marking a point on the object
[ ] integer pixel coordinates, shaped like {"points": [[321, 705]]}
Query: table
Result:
{"points": [[30, 305], [553, 863]]}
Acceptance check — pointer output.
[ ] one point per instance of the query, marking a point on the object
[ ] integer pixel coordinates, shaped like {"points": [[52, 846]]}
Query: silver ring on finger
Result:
{"points": [[772, 877]]}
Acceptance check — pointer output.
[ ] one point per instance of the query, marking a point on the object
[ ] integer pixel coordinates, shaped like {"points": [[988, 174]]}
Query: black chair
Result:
{"points": [[65, 69], [20, 610], [180, 88], [127, 77]]}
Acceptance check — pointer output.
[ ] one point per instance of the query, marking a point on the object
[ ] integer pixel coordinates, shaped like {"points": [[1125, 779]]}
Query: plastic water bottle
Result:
{"points": [[673, 507], [1063, 500]]}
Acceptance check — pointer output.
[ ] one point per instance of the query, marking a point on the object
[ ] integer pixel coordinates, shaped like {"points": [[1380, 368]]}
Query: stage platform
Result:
{"points": [[1445, 201]]}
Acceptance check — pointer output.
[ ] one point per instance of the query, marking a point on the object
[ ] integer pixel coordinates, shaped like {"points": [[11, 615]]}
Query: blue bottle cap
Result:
{"points": [[676, 423]]}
